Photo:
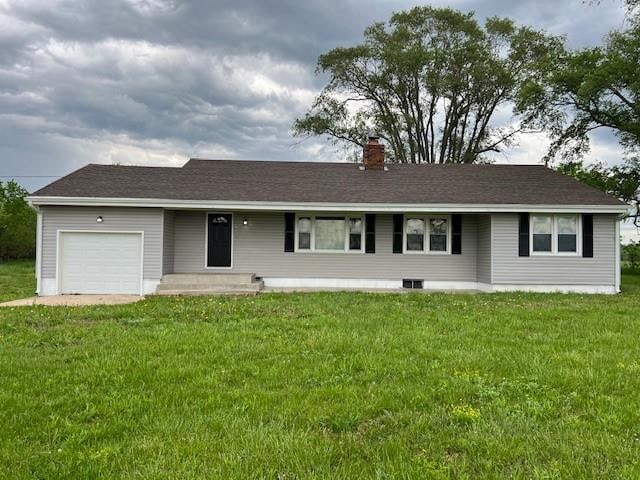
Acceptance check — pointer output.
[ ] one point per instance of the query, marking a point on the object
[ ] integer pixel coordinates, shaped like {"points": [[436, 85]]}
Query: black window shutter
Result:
{"points": [[456, 234], [523, 235], [370, 233], [587, 235], [397, 232], [289, 231]]}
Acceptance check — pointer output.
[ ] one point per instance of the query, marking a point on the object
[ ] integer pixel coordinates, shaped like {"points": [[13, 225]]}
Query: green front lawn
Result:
{"points": [[324, 385]]}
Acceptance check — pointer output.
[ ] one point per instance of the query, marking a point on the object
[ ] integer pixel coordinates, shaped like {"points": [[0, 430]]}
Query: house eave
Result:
{"points": [[319, 206]]}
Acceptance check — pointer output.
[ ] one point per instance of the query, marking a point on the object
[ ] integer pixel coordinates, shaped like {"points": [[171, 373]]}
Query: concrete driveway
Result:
{"points": [[74, 300]]}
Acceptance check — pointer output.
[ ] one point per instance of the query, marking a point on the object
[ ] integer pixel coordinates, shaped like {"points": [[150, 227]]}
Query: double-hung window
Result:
{"points": [[427, 234], [438, 234], [555, 234], [304, 233], [315, 233], [355, 234], [415, 235], [567, 233], [542, 231]]}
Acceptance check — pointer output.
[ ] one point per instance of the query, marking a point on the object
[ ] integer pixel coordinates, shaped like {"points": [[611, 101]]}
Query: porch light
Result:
{"points": [[99, 219], [245, 221]]}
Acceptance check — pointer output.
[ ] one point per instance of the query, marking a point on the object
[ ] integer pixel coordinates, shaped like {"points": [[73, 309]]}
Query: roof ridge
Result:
{"points": [[129, 166], [283, 162], [213, 160], [307, 162]]}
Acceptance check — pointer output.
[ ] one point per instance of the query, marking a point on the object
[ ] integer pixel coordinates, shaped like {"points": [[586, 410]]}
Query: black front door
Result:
{"points": [[219, 240]]}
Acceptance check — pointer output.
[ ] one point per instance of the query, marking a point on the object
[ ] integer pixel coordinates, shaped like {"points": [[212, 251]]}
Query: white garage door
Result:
{"points": [[97, 262]]}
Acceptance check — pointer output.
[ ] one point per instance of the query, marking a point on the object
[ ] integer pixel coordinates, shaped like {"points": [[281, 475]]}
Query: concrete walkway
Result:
{"points": [[73, 300]]}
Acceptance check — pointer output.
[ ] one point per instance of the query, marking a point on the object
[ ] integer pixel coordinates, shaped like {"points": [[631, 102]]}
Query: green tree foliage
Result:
{"points": [[17, 223], [580, 91], [631, 255], [621, 181], [429, 82]]}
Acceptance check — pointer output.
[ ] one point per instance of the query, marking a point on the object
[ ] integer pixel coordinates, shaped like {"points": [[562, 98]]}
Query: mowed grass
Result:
{"points": [[324, 385]]}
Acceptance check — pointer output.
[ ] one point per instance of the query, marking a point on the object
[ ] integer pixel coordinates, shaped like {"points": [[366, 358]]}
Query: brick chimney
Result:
{"points": [[373, 154]]}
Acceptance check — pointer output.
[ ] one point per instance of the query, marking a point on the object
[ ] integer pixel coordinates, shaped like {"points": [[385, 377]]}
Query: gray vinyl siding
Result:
{"points": [[489, 249], [189, 241], [259, 248], [484, 249], [148, 220], [509, 268], [167, 235]]}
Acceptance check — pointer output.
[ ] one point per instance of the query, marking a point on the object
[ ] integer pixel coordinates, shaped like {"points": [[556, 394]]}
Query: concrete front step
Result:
{"points": [[208, 278], [209, 284]]}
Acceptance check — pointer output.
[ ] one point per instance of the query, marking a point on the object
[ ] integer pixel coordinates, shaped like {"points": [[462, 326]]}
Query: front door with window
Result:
{"points": [[219, 227]]}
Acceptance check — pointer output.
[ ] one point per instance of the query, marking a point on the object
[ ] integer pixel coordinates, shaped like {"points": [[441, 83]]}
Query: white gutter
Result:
{"points": [[321, 206]]}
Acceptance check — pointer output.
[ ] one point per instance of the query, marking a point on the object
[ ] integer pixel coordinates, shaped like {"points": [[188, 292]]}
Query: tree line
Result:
{"points": [[17, 223]]}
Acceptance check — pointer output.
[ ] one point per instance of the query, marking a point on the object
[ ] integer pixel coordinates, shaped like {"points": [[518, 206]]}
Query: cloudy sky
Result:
{"points": [[159, 81]]}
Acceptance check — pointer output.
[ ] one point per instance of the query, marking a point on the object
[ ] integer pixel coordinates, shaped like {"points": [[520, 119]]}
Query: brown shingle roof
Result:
{"points": [[236, 180]]}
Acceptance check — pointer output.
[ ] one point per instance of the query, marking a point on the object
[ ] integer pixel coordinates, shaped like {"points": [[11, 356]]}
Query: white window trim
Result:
{"points": [[554, 235], [427, 233], [346, 249]]}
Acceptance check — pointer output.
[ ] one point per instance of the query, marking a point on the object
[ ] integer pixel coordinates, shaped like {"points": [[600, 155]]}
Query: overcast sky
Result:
{"points": [[159, 81]]}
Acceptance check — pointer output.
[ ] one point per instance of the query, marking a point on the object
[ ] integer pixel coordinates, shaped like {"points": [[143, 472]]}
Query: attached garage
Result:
{"points": [[100, 262]]}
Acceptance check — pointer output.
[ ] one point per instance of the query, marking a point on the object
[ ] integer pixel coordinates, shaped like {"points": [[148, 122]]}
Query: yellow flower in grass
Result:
{"points": [[465, 413]]}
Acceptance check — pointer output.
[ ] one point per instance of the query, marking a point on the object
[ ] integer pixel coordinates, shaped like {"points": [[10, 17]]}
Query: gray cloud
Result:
{"points": [[157, 81]]}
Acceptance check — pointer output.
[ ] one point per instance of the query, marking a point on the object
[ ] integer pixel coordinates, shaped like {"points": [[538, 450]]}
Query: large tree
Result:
{"points": [[584, 90], [579, 91], [430, 82]]}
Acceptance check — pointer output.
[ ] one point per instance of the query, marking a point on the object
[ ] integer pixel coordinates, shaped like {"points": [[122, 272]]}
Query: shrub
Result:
{"points": [[631, 255]]}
